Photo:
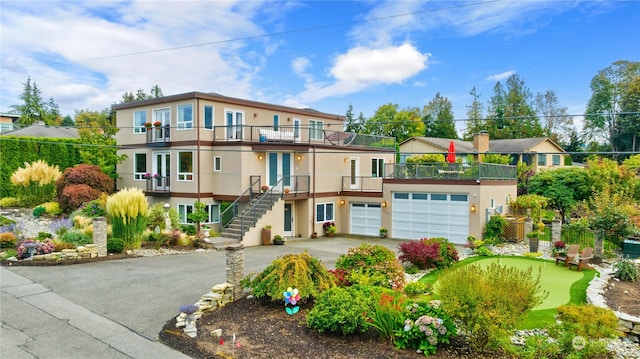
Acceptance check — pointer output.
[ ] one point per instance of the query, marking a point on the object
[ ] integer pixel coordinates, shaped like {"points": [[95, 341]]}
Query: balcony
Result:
{"points": [[159, 136], [159, 186], [451, 171], [361, 184], [300, 135]]}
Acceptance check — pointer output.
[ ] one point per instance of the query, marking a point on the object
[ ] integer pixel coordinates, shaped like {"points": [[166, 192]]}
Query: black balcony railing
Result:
{"points": [[450, 171], [160, 134], [158, 184], [298, 134]]}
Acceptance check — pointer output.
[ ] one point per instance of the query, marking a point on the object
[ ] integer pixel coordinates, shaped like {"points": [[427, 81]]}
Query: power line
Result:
{"points": [[253, 37]]}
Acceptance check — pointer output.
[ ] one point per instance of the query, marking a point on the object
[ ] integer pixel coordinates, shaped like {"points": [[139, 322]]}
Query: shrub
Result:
{"points": [[625, 270], [127, 210], [76, 238], [43, 248], [494, 229], [73, 196], [52, 208], [589, 321], [189, 229], [340, 277], [39, 211], [90, 175], [300, 271], [415, 289], [7, 240], [115, 245], [44, 235], [35, 182], [6, 221], [425, 325], [488, 302], [375, 262], [9, 202], [340, 310], [60, 245], [94, 208], [156, 216], [428, 253]]}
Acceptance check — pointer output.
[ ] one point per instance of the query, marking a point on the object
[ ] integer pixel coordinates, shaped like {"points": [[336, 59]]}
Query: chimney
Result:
{"points": [[481, 142]]}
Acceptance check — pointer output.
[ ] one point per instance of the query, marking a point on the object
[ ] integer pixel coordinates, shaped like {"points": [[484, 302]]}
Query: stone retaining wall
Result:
{"points": [[86, 251]]}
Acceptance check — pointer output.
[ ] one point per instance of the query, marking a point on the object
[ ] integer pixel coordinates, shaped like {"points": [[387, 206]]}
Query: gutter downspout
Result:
{"points": [[197, 118], [313, 195]]}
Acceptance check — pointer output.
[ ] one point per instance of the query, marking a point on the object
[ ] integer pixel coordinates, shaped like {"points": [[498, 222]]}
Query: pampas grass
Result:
{"points": [[127, 210]]}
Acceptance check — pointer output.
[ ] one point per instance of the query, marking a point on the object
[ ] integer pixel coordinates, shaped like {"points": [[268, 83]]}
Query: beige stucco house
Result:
{"points": [[541, 152], [293, 169]]}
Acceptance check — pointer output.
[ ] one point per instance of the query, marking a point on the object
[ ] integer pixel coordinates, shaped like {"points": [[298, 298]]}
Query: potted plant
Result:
{"points": [[157, 124], [279, 240], [559, 248], [147, 124], [329, 228], [534, 237], [266, 235], [265, 188], [383, 232], [286, 190]]}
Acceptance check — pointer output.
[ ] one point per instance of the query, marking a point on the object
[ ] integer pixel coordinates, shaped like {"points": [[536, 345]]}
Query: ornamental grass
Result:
{"points": [[35, 182], [127, 209]]}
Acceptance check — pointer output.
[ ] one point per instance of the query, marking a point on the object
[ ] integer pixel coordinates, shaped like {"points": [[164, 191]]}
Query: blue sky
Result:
{"points": [[319, 54]]}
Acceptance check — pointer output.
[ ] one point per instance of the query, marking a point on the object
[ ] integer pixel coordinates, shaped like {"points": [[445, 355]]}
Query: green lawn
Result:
{"points": [[564, 285]]}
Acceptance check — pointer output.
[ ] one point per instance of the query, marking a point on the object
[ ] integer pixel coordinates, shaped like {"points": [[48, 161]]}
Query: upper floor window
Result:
{"points": [[324, 212], [139, 119], [556, 160], [276, 122], [162, 115], [208, 117], [185, 166], [542, 160], [185, 116], [315, 129], [139, 166], [377, 167]]}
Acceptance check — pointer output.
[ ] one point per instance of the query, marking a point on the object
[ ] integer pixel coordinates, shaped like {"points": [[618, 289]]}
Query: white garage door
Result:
{"points": [[365, 218], [427, 215]]}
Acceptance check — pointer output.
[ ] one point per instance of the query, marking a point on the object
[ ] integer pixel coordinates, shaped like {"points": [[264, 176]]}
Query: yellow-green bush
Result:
{"points": [[488, 302], [7, 239], [52, 208], [590, 321], [127, 209], [35, 182], [9, 202], [60, 245], [300, 271]]}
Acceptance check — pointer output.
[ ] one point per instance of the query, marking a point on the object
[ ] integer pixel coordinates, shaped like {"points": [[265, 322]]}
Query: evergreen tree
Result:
{"points": [[475, 123], [438, 118], [33, 108]]}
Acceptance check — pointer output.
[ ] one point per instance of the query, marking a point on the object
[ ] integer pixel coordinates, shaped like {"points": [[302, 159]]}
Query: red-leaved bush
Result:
{"points": [[86, 175], [73, 196], [428, 253]]}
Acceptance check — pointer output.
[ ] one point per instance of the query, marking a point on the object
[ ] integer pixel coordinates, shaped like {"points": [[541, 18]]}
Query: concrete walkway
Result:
{"points": [[116, 309]]}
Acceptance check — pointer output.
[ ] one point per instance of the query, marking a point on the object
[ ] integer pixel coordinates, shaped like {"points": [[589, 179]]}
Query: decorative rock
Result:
{"points": [[216, 333]]}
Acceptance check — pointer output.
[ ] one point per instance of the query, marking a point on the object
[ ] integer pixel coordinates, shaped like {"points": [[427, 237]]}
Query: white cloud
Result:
{"points": [[501, 76]]}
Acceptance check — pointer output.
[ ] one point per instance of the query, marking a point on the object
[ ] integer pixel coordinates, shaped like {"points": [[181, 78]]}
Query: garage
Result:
{"points": [[365, 218], [427, 215]]}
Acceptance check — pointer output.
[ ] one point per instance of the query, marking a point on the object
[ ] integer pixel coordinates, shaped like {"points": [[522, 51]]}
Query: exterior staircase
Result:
{"points": [[248, 217]]}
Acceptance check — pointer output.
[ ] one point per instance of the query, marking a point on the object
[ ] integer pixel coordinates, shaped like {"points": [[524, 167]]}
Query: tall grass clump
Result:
{"points": [[489, 302], [35, 182], [127, 209]]}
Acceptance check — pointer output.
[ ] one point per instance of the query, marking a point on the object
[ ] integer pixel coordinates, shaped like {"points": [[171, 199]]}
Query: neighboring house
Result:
{"points": [[223, 150], [541, 152], [41, 130], [7, 121]]}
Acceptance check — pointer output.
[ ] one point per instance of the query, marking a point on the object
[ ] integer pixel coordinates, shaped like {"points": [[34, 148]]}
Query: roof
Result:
{"points": [[44, 131], [518, 145], [212, 96]]}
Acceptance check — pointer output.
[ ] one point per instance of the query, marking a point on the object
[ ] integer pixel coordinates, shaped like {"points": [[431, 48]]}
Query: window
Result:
{"points": [[400, 195], [139, 166], [185, 116], [377, 167], [542, 160], [276, 122], [217, 163], [183, 211], [234, 123], [315, 129], [556, 160], [185, 166], [324, 212], [139, 119], [213, 210], [208, 117], [162, 115]]}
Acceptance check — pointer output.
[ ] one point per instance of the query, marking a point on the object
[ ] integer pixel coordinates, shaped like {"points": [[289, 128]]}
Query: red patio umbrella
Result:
{"points": [[451, 156]]}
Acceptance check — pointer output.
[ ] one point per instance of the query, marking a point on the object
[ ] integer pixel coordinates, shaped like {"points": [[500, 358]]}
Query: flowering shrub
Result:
{"points": [[428, 253], [44, 247], [329, 227], [372, 265], [425, 326], [387, 314], [93, 209]]}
